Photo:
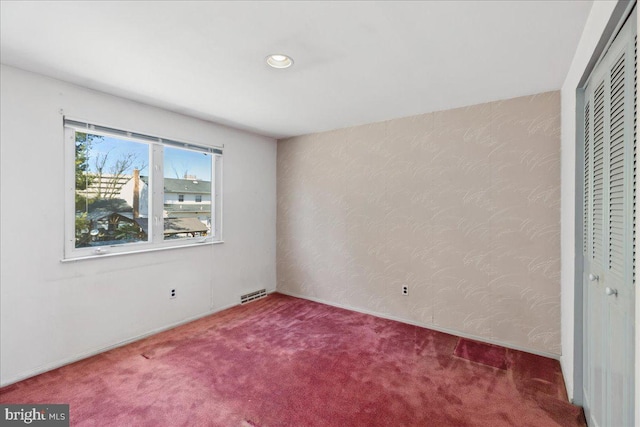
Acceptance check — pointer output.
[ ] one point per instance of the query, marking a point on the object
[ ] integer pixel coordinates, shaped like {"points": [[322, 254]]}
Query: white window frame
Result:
{"points": [[156, 239]]}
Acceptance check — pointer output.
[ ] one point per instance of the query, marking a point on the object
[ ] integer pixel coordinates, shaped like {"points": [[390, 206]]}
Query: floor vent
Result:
{"points": [[253, 296]]}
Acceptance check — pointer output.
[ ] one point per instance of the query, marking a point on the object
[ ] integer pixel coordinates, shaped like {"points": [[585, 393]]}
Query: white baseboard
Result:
{"points": [[94, 352], [78, 357], [425, 325]]}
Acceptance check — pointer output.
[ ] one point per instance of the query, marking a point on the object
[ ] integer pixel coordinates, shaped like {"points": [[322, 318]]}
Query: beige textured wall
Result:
{"points": [[461, 205]]}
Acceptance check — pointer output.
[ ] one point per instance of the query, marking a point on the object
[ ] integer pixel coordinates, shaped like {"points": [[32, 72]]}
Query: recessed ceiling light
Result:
{"points": [[278, 60]]}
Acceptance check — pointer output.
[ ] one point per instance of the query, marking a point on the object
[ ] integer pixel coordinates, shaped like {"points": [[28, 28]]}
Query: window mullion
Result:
{"points": [[216, 196], [70, 206], [157, 191]]}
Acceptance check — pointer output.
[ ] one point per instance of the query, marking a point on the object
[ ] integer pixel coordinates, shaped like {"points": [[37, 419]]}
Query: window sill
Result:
{"points": [[140, 251]]}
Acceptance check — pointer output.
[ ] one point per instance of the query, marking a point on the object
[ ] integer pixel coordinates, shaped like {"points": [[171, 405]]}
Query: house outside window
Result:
{"points": [[111, 204]]}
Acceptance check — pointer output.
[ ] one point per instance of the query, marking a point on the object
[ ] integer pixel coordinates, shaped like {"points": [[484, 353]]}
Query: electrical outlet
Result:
{"points": [[405, 290], [173, 294]]}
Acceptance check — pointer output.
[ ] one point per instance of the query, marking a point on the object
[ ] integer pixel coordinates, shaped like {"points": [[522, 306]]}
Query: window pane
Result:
{"points": [[187, 193], [111, 191]]}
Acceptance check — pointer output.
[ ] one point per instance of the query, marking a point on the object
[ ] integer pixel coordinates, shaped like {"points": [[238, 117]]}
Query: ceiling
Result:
{"points": [[355, 62]]}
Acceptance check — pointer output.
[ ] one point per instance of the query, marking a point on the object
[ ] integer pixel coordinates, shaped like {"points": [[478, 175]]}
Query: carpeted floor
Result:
{"points": [[284, 361]]}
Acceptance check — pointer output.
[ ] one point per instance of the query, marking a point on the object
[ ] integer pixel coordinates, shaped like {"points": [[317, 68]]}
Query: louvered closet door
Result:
{"points": [[609, 233]]}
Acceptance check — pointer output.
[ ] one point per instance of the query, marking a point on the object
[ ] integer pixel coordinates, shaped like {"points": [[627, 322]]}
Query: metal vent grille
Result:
{"points": [[253, 296]]}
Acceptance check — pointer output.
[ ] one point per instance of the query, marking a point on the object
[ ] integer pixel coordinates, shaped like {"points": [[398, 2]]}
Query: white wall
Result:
{"points": [[596, 23], [52, 312]]}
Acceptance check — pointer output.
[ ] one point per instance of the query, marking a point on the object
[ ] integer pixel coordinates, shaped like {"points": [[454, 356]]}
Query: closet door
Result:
{"points": [[609, 233]]}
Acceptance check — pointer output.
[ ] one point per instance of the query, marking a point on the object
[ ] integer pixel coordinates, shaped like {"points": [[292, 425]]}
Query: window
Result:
{"points": [[191, 172], [125, 192]]}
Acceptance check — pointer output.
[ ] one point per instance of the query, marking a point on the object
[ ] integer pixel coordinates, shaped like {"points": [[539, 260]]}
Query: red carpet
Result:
{"points": [[487, 354], [283, 361]]}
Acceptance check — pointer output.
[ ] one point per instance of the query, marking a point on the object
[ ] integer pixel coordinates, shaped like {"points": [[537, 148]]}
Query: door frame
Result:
{"points": [[617, 19]]}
